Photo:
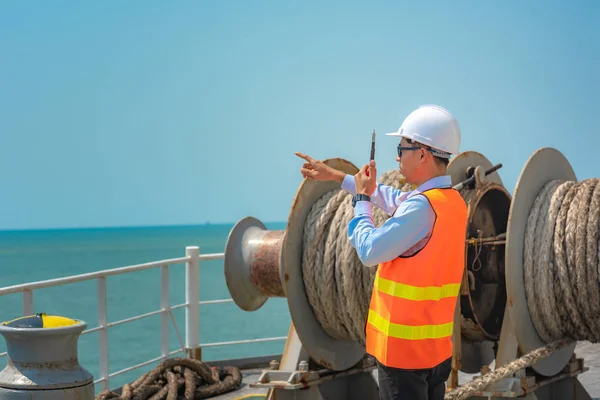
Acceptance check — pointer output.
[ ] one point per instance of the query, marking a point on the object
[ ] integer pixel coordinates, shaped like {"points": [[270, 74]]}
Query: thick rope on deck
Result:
{"points": [[338, 285], [482, 382], [561, 262], [179, 378]]}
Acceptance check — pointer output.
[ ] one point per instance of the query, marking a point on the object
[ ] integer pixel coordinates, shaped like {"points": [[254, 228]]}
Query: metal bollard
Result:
{"points": [[42, 360]]}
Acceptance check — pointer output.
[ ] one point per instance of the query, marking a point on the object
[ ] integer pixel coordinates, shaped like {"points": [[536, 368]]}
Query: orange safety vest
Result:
{"points": [[411, 314]]}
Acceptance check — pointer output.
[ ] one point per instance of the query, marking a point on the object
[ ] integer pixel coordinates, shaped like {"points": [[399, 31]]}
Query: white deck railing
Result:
{"points": [[192, 308]]}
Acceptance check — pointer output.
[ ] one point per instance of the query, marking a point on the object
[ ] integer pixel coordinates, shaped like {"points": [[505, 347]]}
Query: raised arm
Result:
{"points": [[410, 225], [385, 197]]}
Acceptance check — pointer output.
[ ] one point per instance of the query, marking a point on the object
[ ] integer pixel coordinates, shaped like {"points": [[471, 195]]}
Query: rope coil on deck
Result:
{"points": [[561, 273], [465, 391], [337, 284], [179, 378]]}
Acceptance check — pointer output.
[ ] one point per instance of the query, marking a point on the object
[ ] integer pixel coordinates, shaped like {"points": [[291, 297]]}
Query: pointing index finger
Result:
{"points": [[307, 158]]}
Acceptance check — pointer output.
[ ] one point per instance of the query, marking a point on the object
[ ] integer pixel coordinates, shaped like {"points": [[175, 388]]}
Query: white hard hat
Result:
{"points": [[433, 126]]}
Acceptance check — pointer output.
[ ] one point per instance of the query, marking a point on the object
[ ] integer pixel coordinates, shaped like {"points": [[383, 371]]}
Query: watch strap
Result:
{"points": [[360, 197]]}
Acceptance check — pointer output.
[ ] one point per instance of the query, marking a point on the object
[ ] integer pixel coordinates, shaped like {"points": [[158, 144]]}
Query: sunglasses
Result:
{"points": [[401, 149]]}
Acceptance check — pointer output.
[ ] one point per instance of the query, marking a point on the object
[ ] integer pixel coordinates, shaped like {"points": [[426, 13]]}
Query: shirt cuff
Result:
{"points": [[363, 208], [349, 184]]}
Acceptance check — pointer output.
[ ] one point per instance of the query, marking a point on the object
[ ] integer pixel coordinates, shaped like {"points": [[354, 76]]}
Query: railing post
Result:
{"points": [[165, 307], [27, 302], [192, 298], [103, 333]]}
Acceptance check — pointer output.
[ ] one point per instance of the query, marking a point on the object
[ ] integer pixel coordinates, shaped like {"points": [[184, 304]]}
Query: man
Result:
{"points": [[419, 253]]}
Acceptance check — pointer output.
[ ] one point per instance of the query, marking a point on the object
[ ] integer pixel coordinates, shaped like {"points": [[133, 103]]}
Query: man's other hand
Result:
{"points": [[366, 184]]}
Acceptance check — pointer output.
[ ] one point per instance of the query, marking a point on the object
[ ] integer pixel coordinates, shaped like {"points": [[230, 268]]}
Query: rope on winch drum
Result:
{"points": [[561, 262], [337, 284]]}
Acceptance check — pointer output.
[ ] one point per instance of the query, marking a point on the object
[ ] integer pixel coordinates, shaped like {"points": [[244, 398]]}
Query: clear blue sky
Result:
{"points": [[119, 113]]}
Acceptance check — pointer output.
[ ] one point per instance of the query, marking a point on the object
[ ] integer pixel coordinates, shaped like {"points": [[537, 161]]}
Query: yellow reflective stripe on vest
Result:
{"points": [[414, 292], [407, 331]]}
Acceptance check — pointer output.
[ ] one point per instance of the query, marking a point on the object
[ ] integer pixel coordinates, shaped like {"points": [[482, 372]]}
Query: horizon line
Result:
{"points": [[116, 227]]}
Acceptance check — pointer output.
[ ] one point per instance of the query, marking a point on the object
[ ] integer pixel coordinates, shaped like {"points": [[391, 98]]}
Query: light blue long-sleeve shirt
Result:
{"points": [[405, 232]]}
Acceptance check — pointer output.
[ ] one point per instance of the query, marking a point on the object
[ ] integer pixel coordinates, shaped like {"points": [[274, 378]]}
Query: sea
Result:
{"points": [[28, 256]]}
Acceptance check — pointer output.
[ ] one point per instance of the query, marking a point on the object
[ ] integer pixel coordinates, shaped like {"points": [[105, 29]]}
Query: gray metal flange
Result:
{"points": [[331, 353], [543, 166]]}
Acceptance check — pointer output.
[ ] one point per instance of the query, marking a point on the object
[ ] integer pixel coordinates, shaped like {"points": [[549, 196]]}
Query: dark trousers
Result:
{"points": [[413, 384]]}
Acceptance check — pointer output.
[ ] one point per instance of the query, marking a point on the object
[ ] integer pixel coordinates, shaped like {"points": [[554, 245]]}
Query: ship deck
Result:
{"points": [[589, 379]]}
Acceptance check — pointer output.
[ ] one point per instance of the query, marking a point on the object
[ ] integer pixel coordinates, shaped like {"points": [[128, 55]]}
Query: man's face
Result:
{"points": [[410, 160]]}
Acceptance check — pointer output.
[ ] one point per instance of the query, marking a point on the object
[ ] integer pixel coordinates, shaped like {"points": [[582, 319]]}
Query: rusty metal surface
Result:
{"points": [[485, 302], [475, 355], [475, 350], [544, 165], [251, 264], [482, 292], [264, 263]]}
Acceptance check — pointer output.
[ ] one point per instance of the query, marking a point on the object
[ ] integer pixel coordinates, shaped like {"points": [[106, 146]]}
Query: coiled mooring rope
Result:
{"points": [[561, 262], [179, 378], [337, 284]]}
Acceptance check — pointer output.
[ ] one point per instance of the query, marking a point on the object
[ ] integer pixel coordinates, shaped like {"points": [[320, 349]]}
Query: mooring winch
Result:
{"points": [[492, 321]]}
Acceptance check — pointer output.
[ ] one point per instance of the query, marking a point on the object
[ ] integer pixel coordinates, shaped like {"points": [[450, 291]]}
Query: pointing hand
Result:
{"points": [[318, 170]]}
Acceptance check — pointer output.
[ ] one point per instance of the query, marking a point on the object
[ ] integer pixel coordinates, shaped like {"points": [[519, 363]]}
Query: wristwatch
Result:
{"points": [[359, 197]]}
